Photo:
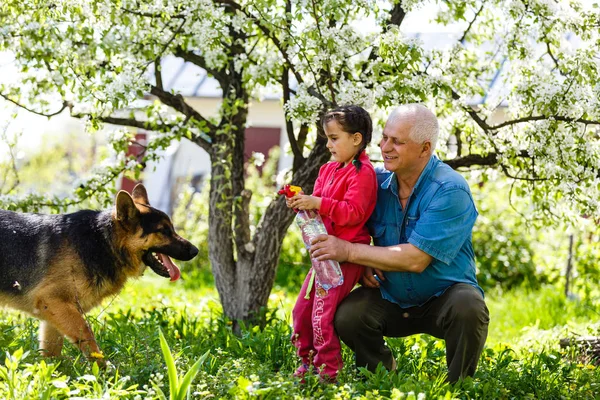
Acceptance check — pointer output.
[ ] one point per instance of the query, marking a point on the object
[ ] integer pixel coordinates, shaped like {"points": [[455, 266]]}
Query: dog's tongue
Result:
{"points": [[174, 272]]}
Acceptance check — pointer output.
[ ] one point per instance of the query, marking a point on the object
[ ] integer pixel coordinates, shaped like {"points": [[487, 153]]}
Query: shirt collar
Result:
{"points": [[391, 183]]}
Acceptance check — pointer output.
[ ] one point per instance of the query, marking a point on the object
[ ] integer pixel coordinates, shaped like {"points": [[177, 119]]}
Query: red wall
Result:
{"points": [[260, 140], [136, 149]]}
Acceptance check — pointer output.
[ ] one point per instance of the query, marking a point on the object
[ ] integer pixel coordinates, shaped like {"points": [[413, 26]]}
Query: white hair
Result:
{"points": [[424, 123]]}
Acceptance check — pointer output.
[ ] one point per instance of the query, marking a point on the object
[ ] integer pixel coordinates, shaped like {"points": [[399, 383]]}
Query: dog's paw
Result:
{"points": [[98, 358]]}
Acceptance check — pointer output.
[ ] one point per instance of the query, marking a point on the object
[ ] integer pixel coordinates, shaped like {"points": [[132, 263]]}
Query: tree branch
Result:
{"points": [[200, 61], [166, 45], [456, 132], [158, 73], [466, 32], [302, 135], [554, 59], [478, 120], [38, 201], [473, 159], [397, 14], [164, 48], [267, 33], [517, 178], [488, 160], [150, 15], [146, 125], [130, 122], [328, 77], [177, 102], [289, 126], [65, 104], [541, 118]]}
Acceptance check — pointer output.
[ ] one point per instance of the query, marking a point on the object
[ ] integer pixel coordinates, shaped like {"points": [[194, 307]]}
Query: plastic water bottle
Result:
{"points": [[328, 273]]}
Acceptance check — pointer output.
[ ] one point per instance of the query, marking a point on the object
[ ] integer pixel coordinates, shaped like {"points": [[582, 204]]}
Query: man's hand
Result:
{"points": [[327, 247], [368, 278], [304, 202]]}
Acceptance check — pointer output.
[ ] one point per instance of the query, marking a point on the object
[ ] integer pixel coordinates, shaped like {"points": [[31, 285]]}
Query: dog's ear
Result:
{"points": [[125, 208], [140, 195]]}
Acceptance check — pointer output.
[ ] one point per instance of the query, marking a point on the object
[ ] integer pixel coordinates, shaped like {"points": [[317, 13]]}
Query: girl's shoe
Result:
{"points": [[302, 370]]}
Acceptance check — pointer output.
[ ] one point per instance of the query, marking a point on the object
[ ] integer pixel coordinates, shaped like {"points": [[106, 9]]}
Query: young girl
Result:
{"points": [[344, 194]]}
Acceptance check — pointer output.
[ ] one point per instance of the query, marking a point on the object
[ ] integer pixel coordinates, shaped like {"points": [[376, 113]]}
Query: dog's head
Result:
{"points": [[148, 234]]}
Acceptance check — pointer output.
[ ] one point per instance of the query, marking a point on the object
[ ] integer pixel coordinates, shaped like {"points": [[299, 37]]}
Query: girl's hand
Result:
{"points": [[305, 202], [289, 200]]}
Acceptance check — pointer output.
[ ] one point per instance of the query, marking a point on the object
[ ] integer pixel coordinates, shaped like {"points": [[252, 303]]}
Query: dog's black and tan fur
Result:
{"points": [[58, 267]]}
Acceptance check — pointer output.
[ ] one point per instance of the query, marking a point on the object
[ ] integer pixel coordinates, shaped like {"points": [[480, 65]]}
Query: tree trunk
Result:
{"points": [[244, 267], [220, 235], [244, 277], [256, 272], [569, 267]]}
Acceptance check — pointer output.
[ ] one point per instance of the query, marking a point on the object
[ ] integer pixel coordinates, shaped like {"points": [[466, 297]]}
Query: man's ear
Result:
{"points": [[140, 195], [125, 208], [426, 149]]}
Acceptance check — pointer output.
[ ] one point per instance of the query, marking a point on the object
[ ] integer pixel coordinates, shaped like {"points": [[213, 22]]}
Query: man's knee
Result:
{"points": [[467, 305], [345, 316], [350, 312]]}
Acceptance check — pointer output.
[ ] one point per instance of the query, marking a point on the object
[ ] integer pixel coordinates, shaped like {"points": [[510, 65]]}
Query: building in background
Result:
{"points": [[187, 163]]}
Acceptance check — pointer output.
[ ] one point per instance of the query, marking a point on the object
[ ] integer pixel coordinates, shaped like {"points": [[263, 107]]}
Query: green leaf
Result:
{"points": [[95, 369], [190, 375], [171, 369]]}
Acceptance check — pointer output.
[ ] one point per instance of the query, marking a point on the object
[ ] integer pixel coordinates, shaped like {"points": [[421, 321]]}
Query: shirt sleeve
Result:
{"points": [[445, 224], [358, 201]]}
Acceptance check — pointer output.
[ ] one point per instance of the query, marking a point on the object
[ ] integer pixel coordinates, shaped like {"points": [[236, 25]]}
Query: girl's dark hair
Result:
{"points": [[352, 119]]}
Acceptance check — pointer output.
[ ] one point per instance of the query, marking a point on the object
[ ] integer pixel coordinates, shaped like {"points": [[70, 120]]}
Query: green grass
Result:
{"points": [[522, 358], [524, 314]]}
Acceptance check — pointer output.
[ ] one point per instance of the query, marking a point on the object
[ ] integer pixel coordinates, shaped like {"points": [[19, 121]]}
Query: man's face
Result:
{"points": [[400, 153]]}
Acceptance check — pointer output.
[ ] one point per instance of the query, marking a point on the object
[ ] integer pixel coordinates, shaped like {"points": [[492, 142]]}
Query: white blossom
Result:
{"points": [[303, 107], [258, 158]]}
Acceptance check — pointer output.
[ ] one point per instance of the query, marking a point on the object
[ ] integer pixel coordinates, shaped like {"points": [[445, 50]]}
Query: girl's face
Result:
{"points": [[342, 145]]}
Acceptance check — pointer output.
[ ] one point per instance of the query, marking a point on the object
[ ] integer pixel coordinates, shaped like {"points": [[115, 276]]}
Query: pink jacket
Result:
{"points": [[347, 198]]}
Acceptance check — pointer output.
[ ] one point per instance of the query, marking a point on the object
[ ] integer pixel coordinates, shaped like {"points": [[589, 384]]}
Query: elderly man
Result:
{"points": [[420, 275]]}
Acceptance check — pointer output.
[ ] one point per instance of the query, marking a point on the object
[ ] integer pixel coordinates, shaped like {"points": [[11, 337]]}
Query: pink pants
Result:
{"points": [[314, 334]]}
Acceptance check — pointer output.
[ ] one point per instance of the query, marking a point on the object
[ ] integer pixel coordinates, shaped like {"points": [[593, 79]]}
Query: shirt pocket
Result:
{"points": [[378, 233], [410, 223]]}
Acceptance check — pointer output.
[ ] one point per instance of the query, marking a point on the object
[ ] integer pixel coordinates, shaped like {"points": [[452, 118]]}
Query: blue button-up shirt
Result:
{"points": [[438, 219]]}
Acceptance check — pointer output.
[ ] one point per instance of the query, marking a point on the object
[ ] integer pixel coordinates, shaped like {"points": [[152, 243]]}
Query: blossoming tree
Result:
{"points": [[93, 59]]}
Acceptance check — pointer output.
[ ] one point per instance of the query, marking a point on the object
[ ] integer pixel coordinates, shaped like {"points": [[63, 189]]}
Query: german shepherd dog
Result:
{"points": [[58, 267]]}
